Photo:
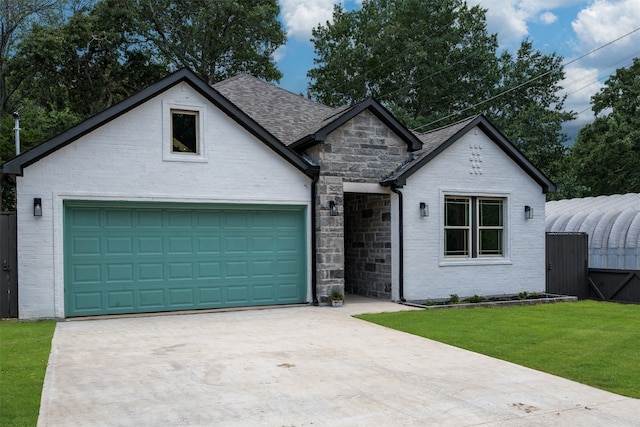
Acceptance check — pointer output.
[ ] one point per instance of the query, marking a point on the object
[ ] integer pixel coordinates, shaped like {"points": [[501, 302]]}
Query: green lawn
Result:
{"points": [[595, 343], [24, 352]]}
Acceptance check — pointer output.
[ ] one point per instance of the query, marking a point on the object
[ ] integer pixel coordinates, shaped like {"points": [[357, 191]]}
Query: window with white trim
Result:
{"points": [[474, 227], [183, 132]]}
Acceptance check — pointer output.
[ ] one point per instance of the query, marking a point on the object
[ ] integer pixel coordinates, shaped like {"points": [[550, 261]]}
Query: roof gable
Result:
{"points": [[319, 132], [436, 141], [16, 165]]}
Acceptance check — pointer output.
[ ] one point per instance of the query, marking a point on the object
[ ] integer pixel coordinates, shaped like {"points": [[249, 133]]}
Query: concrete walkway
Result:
{"points": [[303, 366]]}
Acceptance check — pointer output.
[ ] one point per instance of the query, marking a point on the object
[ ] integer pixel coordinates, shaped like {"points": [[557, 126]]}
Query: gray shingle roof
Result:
{"points": [[282, 113]]}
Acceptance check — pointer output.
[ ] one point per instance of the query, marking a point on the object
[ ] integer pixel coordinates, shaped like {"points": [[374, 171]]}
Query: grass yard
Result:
{"points": [[24, 352], [595, 343]]}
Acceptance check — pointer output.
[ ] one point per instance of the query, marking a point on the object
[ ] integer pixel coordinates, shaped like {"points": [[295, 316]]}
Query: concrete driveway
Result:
{"points": [[302, 366]]}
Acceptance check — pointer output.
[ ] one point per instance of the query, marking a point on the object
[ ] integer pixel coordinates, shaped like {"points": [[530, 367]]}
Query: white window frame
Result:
{"points": [[453, 260], [168, 109]]}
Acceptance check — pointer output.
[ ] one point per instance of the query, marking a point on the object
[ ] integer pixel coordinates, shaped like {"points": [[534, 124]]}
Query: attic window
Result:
{"points": [[184, 132]]}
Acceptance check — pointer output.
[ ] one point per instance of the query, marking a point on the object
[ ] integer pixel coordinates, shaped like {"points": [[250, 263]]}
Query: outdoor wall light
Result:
{"points": [[333, 209], [424, 209], [528, 212], [37, 206]]}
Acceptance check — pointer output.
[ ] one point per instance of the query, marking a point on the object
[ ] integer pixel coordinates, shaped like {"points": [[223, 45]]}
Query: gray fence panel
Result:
{"points": [[614, 285], [8, 265]]}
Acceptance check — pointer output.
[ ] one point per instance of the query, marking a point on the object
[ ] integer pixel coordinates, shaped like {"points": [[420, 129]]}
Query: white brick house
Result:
{"points": [[187, 196]]}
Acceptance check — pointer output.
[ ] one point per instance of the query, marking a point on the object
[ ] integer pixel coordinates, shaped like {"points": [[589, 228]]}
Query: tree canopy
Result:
{"points": [[62, 61], [215, 38], [605, 156], [433, 63]]}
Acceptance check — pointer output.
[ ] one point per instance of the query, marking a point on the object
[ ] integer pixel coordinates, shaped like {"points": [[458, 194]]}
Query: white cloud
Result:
{"points": [[509, 18], [604, 21], [301, 16], [548, 18]]}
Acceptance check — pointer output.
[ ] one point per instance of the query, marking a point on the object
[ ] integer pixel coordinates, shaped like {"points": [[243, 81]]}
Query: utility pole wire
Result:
{"points": [[528, 81]]}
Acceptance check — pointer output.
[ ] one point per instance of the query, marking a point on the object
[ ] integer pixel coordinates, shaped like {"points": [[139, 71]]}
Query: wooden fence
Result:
{"points": [[568, 272], [614, 285], [567, 258], [9, 265]]}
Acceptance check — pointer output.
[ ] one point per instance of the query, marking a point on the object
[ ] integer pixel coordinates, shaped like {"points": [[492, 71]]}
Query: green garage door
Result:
{"points": [[132, 258]]}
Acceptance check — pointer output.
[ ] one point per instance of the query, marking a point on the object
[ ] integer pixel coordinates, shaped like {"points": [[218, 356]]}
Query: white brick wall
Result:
{"points": [[427, 273], [123, 160]]}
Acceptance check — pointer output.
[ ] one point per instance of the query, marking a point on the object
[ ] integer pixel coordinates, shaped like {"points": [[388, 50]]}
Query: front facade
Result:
{"points": [[187, 196]]}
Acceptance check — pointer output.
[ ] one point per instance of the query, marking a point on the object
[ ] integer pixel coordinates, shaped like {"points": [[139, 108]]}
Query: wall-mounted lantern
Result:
{"points": [[37, 206], [528, 212], [424, 209], [333, 209]]}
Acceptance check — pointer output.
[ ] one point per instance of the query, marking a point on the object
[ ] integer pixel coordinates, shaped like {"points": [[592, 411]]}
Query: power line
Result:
{"points": [[528, 81]]}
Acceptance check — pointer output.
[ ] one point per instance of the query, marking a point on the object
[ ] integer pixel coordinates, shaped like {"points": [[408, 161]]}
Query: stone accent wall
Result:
{"points": [[363, 150], [368, 245]]}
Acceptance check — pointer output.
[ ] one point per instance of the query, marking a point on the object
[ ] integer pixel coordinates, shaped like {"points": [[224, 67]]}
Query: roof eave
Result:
{"points": [[511, 150], [16, 165]]}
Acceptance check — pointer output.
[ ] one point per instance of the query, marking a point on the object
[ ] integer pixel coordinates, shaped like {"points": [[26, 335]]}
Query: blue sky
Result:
{"points": [[570, 28]]}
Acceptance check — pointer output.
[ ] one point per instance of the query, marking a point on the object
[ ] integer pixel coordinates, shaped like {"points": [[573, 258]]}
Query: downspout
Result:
{"points": [[314, 273], [394, 188]]}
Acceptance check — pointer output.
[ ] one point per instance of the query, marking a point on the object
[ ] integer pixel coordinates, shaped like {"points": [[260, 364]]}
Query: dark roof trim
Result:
{"points": [[16, 165], [413, 143], [497, 137]]}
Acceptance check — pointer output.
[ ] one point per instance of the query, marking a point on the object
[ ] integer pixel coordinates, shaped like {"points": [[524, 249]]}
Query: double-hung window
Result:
{"points": [[474, 227]]}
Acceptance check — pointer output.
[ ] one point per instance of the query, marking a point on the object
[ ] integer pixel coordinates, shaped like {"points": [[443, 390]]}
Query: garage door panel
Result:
{"points": [[119, 246], [288, 292], [118, 218], [236, 244], [208, 219], [87, 302], [149, 218], [85, 246], [151, 299], [237, 269], [89, 218], [208, 245], [264, 293], [86, 274], [209, 270], [150, 271], [146, 257], [180, 271], [120, 300], [118, 273], [181, 298], [150, 245], [179, 219], [210, 295]]}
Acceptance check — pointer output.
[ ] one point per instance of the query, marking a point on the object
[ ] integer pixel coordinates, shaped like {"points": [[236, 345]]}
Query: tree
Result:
{"points": [[15, 16], [433, 63], [528, 109], [88, 63], [606, 153], [425, 59], [215, 38]]}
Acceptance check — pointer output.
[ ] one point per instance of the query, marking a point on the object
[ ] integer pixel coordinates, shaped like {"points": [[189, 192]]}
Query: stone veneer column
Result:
{"points": [[363, 150], [329, 236]]}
